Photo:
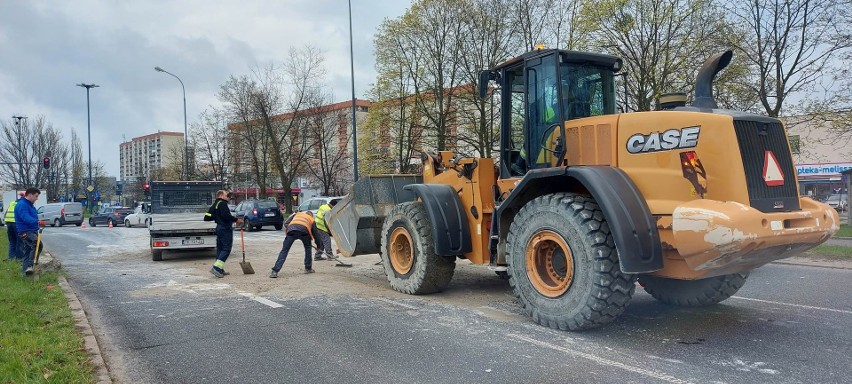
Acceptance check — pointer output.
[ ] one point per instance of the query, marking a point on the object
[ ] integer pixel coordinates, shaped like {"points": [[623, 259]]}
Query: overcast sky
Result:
{"points": [[46, 47]]}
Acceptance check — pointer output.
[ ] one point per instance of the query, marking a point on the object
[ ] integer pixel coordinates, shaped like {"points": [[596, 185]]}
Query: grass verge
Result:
{"points": [[38, 338], [832, 252], [845, 231]]}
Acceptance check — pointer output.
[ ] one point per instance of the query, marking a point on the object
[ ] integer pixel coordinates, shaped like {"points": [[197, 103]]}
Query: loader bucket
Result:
{"points": [[356, 221]]}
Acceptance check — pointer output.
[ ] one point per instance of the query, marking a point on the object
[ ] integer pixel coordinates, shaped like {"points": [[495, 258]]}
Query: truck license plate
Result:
{"points": [[270, 214], [192, 241]]}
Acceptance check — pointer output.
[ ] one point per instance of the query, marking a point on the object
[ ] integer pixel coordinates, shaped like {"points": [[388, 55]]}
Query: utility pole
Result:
{"points": [[90, 187], [19, 127]]}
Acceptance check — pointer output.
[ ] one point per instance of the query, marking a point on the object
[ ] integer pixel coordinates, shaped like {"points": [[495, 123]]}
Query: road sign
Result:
{"points": [[90, 188]]}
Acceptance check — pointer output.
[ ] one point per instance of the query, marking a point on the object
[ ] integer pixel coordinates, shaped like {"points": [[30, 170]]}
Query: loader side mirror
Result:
{"points": [[484, 78]]}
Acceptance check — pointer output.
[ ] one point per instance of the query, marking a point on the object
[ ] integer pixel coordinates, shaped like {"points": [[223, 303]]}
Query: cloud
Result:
{"points": [[48, 47]]}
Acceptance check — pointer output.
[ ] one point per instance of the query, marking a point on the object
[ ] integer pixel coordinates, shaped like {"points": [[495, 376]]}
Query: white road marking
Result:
{"points": [[389, 301], [794, 305], [604, 361], [261, 300]]}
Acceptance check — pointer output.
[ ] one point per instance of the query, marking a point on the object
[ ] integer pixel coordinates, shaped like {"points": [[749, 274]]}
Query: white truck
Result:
{"points": [[177, 216], [10, 196]]}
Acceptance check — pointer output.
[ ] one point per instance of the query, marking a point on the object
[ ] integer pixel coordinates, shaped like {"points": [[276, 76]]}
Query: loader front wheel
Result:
{"points": [[408, 253], [563, 265], [693, 293]]}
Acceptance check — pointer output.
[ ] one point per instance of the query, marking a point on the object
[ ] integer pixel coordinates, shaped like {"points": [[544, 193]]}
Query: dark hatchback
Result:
{"points": [[257, 213], [114, 215]]}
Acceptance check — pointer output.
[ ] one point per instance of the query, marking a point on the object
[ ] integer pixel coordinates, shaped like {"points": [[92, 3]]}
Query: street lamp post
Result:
{"points": [[19, 127], [89, 201], [352, 75], [185, 134]]}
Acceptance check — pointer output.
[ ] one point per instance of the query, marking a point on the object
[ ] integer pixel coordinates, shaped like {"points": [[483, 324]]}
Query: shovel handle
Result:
{"points": [[243, 244]]}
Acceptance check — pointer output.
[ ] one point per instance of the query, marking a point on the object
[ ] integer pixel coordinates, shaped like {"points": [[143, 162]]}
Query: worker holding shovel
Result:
{"points": [[26, 219], [220, 213]]}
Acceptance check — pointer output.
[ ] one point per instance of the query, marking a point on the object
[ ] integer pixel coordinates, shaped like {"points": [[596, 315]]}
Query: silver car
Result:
{"points": [[314, 203], [838, 201]]}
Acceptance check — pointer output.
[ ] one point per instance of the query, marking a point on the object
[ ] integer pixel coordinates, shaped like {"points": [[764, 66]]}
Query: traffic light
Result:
{"points": [[46, 162], [147, 189]]}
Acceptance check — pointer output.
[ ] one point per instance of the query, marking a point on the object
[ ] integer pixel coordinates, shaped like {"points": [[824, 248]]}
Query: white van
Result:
{"points": [[59, 214]]}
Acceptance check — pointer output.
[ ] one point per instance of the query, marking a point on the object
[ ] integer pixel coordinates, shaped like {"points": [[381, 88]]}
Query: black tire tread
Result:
{"points": [[612, 289], [693, 293], [432, 273]]}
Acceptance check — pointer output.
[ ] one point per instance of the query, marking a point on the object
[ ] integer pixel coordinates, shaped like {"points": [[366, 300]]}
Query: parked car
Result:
{"points": [[107, 215], [838, 201], [316, 202], [257, 213], [141, 216], [59, 214]]}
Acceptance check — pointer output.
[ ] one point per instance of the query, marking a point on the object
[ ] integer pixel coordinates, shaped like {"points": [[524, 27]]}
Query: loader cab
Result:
{"points": [[539, 92]]}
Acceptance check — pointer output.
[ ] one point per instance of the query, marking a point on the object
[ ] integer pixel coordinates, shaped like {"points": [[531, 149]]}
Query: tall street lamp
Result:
{"points": [[185, 134], [352, 74], [90, 187], [19, 126]]}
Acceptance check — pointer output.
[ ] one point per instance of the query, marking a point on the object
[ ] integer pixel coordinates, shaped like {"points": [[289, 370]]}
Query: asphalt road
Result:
{"points": [[171, 321]]}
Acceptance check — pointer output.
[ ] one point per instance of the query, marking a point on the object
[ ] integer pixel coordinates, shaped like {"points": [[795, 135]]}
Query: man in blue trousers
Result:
{"points": [[26, 220]]}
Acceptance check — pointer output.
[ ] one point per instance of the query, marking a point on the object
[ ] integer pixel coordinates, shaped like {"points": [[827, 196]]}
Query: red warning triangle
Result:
{"points": [[772, 174]]}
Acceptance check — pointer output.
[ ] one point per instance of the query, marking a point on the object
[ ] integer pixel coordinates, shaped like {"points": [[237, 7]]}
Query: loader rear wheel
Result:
{"points": [[693, 293], [563, 265], [156, 255], [408, 252]]}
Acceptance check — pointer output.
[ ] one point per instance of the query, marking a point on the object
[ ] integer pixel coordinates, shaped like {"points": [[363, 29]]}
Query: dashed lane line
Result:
{"points": [[793, 305], [261, 300], [389, 301], [604, 361]]}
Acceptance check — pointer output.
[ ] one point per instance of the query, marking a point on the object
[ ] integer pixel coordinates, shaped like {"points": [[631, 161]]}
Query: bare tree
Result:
{"points": [[790, 44], [213, 145], [254, 143], [300, 90], [330, 160], [25, 145]]}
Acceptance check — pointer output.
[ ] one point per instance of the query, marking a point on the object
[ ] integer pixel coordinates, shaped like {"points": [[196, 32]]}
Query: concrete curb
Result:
{"points": [[815, 263], [100, 369]]}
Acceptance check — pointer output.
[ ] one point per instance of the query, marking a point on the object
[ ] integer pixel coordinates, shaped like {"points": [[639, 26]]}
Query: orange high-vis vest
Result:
{"points": [[304, 220]]}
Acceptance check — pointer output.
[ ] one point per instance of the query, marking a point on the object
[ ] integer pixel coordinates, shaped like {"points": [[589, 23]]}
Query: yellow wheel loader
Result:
{"points": [[583, 201]]}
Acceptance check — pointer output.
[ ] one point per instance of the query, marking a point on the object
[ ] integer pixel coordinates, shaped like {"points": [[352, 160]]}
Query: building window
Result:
{"points": [[795, 144]]}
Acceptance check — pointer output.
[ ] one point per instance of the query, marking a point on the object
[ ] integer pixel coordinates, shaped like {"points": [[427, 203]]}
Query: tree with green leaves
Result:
{"points": [[662, 43]]}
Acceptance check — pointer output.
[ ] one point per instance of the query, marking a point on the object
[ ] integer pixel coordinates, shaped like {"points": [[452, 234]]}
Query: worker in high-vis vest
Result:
{"points": [[11, 229], [299, 226], [221, 214], [323, 235]]}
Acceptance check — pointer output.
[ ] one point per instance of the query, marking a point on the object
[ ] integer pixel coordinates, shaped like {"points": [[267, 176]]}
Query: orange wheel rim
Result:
{"points": [[401, 250], [550, 265]]}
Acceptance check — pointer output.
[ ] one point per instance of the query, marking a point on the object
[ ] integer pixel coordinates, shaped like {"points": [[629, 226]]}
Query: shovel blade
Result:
{"points": [[247, 269]]}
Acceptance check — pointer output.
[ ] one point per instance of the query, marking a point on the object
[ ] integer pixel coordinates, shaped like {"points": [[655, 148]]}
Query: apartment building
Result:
{"points": [[142, 155], [328, 126]]}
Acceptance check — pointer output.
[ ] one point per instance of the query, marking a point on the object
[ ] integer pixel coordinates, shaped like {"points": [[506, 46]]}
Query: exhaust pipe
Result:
{"points": [[704, 81]]}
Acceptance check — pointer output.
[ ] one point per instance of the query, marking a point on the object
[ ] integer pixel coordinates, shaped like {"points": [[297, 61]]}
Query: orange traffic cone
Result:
{"points": [[110, 224], [83, 226]]}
